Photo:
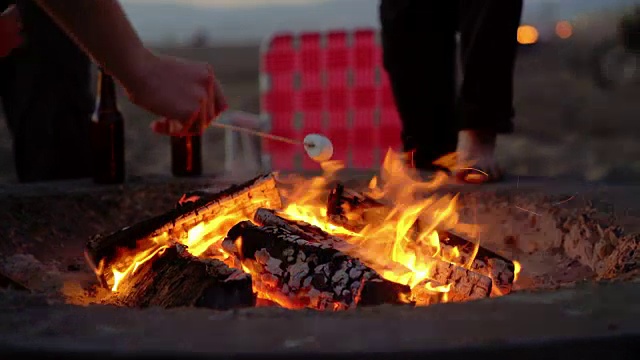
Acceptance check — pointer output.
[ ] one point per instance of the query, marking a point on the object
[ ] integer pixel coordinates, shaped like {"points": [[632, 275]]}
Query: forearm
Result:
{"points": [[103, 30]]}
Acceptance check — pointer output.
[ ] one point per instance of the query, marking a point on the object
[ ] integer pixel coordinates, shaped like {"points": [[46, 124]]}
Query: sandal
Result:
{"points": [[469, 175]]}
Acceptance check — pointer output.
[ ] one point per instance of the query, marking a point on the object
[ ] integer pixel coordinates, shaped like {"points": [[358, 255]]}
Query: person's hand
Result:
{"points": [[185, 93], [10, 27]]}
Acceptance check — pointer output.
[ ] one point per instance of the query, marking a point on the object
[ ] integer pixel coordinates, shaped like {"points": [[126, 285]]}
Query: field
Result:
{"points": [[565, 126]]}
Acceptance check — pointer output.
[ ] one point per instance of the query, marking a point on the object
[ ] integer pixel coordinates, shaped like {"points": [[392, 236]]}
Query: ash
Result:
{"points": [[38, 276], [50, 282]]}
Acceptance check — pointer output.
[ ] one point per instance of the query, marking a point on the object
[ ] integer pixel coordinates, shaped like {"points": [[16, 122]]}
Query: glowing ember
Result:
{"points": [[393, 247], [388, 247], [516, 271]]}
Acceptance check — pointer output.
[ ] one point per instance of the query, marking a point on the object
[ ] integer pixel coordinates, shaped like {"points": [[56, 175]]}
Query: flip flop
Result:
{"points": [[478, 175]]}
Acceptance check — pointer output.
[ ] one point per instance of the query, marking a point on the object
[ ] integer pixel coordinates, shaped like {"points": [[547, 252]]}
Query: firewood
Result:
{"points": [[500, 269], [174, 278], [298, 273], [244, 199], [306, 231], [465, 284], [353, 211]]}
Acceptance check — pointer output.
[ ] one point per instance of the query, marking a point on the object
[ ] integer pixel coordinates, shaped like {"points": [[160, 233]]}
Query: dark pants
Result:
{"points": [[419, 46], [45, 88]]}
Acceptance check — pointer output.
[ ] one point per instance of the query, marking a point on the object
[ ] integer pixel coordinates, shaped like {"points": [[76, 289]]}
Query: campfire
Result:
{"points": [[303, 243]]}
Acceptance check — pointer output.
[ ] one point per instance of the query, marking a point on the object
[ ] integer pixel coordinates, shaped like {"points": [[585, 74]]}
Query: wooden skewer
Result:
{"points": [[262, 134], [257, 133]]}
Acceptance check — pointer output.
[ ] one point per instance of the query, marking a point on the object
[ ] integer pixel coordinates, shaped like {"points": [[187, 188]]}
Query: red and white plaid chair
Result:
{"points": [[331, 83]]}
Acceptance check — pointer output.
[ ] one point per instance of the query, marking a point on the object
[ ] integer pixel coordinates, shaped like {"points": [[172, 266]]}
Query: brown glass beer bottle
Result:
{"points": [[107, 134], [186, 155]]}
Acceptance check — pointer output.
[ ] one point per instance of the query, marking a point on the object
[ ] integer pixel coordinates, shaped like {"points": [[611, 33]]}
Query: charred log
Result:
{"points": [[174, 278], [353, 211], [103, 251], [465, 284], [500, 269], [299, 273], [306, 231]]}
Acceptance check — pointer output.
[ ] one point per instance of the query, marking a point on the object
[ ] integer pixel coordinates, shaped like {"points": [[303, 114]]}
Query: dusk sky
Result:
{"points": [[228, 3], [240, 20]]}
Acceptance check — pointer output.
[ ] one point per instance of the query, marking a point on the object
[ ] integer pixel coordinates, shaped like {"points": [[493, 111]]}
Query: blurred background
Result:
{"points": [[577, 89]]}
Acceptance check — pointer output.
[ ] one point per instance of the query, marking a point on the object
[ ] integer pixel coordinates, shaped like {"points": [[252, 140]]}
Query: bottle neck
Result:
{"points": [[106, 100]]}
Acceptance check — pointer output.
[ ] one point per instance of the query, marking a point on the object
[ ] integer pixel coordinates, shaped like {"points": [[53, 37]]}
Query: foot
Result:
{"points": [[416, 161], [476, 161]]}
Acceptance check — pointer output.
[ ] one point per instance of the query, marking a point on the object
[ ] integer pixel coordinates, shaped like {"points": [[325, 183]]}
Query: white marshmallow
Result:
{"points": [[318, 147]]}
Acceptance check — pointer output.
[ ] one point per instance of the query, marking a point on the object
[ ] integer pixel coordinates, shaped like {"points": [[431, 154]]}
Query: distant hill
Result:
{"points": [[167, 22], [159, 22]]}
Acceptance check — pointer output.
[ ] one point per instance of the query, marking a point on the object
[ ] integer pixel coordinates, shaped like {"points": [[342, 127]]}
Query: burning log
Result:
{"points": [[174, 278], [353, 211], [306, 231], [465, 284], [244, 199], [500, 269], [295, 272]]}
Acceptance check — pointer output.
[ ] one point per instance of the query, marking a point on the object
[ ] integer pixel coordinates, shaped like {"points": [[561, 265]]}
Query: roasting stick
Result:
{"points": [[318, 147], [258, 133]]}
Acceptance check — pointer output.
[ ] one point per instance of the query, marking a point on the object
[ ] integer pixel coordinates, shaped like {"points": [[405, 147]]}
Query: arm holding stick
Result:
{"points": [[171, 87]]}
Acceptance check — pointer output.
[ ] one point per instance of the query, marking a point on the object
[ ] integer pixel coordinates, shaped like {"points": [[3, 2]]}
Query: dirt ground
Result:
{"points": [[558, 236], [565, 126], [586, 322], [45, 228]]}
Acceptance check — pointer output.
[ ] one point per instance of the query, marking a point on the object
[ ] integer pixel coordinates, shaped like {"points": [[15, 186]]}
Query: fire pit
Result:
{"points": [[411, 257], [317, 244]]}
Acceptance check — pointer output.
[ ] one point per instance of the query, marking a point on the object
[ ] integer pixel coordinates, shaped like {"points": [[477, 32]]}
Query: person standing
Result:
{"points": [[419, 55], [185, 93], [63, 36], [47, 99]]}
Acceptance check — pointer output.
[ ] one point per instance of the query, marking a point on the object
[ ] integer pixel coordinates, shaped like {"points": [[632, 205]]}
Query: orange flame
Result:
{"points": [[516, 270], [392, 246], [206, 236]]}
